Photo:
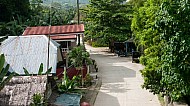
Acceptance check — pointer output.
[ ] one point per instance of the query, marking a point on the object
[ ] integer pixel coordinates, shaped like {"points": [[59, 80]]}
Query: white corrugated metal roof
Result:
{"points": [[29, 52]]}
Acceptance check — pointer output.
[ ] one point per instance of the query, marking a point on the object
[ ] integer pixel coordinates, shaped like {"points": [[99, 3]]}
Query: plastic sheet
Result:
{"points": [[67, 99]]}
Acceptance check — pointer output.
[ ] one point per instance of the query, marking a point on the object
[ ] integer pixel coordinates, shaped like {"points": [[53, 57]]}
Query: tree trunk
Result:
{"points": [[111, 45]]}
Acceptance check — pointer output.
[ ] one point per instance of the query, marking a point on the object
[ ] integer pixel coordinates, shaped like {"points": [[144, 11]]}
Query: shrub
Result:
{"points": [[38, 100], [99, 44]]}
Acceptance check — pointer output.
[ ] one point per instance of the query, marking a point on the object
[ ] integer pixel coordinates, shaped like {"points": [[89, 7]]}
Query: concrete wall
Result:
{"points": [[19, 90]]}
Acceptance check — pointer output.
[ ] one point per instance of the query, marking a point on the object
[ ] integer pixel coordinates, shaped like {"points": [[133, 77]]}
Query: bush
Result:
{"points": [[88, 80], [99, 44], [38, 100]]}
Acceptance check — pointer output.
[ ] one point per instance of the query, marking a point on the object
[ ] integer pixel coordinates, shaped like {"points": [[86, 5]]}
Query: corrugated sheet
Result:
{"points": [[29, 52], [44, 30]]}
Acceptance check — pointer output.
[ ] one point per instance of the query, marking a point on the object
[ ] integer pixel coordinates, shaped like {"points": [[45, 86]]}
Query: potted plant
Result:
{"points": [[79, 58]]}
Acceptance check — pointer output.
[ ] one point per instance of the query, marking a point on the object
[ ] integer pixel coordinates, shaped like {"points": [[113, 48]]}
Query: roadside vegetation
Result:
{"points": [[160, 27]]}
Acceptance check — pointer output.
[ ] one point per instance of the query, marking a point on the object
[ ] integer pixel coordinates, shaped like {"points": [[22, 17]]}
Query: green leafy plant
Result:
{"points": [[78, 56], [78, 80], [88, 80], [67, 85], [3, 71], [162, 27], [37, 100], [146, 35], [173, 25]]}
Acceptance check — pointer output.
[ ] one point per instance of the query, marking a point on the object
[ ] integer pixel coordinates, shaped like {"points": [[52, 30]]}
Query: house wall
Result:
{"points": [[73, 44], [20, 89], [59, 57]]}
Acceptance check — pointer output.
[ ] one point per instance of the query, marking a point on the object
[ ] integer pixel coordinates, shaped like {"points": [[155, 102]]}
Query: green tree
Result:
{"points": [[136, 3], [57, 14], [14, 22], [108, 20], [12, 17], [62, 16], [11, 8], [173, 24], [146, 35], [162, 27]]}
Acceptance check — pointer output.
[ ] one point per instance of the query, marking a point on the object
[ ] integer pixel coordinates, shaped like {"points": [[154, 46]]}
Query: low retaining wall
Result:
{"points": [[20, 89]]}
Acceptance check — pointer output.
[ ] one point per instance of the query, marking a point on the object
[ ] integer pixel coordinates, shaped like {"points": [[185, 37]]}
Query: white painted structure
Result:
{"points": [[29, 52]]}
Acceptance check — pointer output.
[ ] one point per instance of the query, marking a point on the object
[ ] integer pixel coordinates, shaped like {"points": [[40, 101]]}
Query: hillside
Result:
{"points": [[70, 2]]}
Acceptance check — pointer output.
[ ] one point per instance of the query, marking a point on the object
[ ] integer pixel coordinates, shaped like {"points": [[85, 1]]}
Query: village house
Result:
{"points": [[68, 36]]}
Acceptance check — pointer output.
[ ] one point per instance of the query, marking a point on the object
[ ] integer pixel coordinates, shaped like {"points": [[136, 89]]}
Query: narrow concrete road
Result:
{"points": [[121, 81]]}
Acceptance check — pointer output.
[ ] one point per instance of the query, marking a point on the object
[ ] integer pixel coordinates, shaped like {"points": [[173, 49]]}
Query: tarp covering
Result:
{"points": [[68, 100]]}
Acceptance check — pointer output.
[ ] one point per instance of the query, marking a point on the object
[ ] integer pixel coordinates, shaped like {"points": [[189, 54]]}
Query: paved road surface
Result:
{"points": [[121, 81]]}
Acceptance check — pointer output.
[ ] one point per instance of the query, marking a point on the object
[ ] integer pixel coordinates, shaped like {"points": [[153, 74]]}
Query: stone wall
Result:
{"points": [[20, 89]]}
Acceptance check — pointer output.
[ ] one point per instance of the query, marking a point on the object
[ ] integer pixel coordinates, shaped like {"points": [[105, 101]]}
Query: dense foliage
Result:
{"points": [[70, 2], [147, 36], [108, 20], [173, 24], [17, 15], [10, 9], [78, 57], [162, 28]]}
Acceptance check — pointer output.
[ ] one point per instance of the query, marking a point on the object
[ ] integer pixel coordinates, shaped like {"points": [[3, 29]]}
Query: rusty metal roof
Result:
{"points": [[29, 52], [64, 29], [65, 37]]}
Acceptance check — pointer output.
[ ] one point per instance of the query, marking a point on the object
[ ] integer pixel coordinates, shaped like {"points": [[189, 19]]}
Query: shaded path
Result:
{"points": [[121, 81]]}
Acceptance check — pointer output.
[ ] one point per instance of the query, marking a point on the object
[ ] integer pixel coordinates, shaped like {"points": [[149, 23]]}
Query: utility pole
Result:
{"points": [[48, 85], [49, 34], [78, 21]]}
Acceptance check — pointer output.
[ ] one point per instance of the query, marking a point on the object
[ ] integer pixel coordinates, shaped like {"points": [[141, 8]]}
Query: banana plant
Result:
{"points": [[40, 71], [3, 72], [67, 85]]}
